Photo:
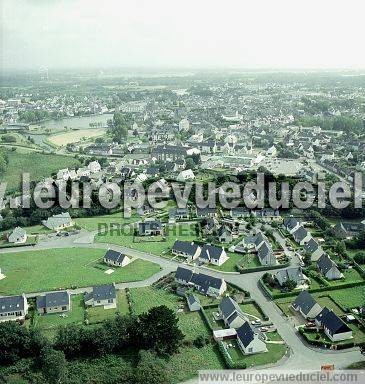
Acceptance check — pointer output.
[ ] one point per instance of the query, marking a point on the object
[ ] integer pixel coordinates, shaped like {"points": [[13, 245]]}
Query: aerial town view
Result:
{"points": [[182, 192]]}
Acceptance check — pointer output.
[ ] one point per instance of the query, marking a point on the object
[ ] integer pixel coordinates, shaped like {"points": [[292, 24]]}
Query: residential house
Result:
{"points": [[314, 249], [116, 259], [17, 236], [186, 249], [301, 235], [193, 303], [151, 227], [204, 213], [249, 340], [179, 214], [207, 285], [291, 224], [333, 326], [306, 305], [58, 222], [212, 254], [294, 273], [266, 255], [224, 234], [13, 308], [239, 212], [94, 166], [102, 296], [186, 175], [54, 302], [328, 268], [231, 313]]}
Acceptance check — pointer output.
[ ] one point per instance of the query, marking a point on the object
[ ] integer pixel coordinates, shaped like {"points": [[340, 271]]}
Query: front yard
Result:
{"points": [[53, 269]]}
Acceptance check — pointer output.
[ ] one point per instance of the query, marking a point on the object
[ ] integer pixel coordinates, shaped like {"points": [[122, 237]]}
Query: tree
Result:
{"points": [[54, 365], [68, 340], [189, 163], [151, 370], [118, 127], [289, 285], [159, 330], [360, 257]]}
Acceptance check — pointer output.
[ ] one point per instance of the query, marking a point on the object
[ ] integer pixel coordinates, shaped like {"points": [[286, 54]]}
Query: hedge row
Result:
{"points": [[262, 268], [321, 343]]}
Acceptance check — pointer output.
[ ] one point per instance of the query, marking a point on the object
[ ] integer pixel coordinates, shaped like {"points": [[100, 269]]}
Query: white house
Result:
{"points": [[186, 175], [116, 259], [18, 236], [328, 268], [212, 254], [13, 308], [186, 249], [333, 326], [58, 222], [102, 296], [249, 340], [231, 313], [94, 166], [306, 305]]}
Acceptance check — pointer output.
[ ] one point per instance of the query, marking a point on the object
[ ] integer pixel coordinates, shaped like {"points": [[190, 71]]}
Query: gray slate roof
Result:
{"points": [[114, 256], [246, 333], [11, 303], [53, 299], [304, 302]]}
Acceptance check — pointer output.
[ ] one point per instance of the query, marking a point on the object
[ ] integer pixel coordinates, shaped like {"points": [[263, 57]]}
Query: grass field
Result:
{"points": [[93, 223], [42, 270], [98, 314], [182, 232], [37, 164], [349, 297], [190, 323], [75, 136], [251, 309]]}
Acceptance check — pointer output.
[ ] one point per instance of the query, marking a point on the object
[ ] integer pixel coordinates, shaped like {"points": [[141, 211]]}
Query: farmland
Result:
{"points": [[42, 270], [75, 136]]}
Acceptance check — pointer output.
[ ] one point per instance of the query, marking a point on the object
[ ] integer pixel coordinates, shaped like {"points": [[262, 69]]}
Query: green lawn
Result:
{"points": [[251, 309], [186, 364], [249, 260], [230, 264], [190, 323], [98, 314], [96, 222], [275, 352], [349, 297], [326, 301], [44, 270], [351, 275], [50, 322], [181, 231], [39, 166]]}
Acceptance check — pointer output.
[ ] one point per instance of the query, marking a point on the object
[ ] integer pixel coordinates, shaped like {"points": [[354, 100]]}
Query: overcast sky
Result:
{"points": [[187, 33]]}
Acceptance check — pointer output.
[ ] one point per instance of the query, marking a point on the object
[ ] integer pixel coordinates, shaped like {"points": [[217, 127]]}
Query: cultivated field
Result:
{"points": [[45, 270], [75, 136]]}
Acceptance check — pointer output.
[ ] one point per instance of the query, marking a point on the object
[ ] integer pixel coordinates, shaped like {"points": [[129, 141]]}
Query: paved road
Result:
{"points": [[301, 355]]}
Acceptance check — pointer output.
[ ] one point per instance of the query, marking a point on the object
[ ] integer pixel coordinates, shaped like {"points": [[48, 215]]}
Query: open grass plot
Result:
{"points": [[184, 232], [75, 136], [52, 269], [190, 323], [349, 297], [39, 166], [105, 222]]}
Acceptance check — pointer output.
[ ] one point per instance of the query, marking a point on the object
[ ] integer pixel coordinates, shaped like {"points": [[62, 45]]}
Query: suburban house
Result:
{"points": [[249, 340], [204, 213], [179, 214], [193, 303], [116, 259], [186, 175], [224, 234], [328, 268], [17, 236], [301, 235], [239, 212], [186, 249], [54, 302], [57, 222], [294, 274], [231, 313], [306, 305], [208, 285], [212, 254], [291, 224], [13, 308], [266, 255], [333, 326], [94, 166], [314, 249], [102, 296], [151, 227]]}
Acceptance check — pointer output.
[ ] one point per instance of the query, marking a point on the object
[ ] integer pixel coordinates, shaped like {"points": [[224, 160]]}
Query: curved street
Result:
{"points": [[300, 353]]}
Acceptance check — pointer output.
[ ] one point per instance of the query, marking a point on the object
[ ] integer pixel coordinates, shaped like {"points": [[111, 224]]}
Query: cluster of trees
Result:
{"points": [[347, 124], [3, 161], [154, 335], [119, 125], [38, 115], [7, 138]]}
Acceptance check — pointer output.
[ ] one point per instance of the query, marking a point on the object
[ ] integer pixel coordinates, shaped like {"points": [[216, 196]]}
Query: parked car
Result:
{"points": [[264, 329]]}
